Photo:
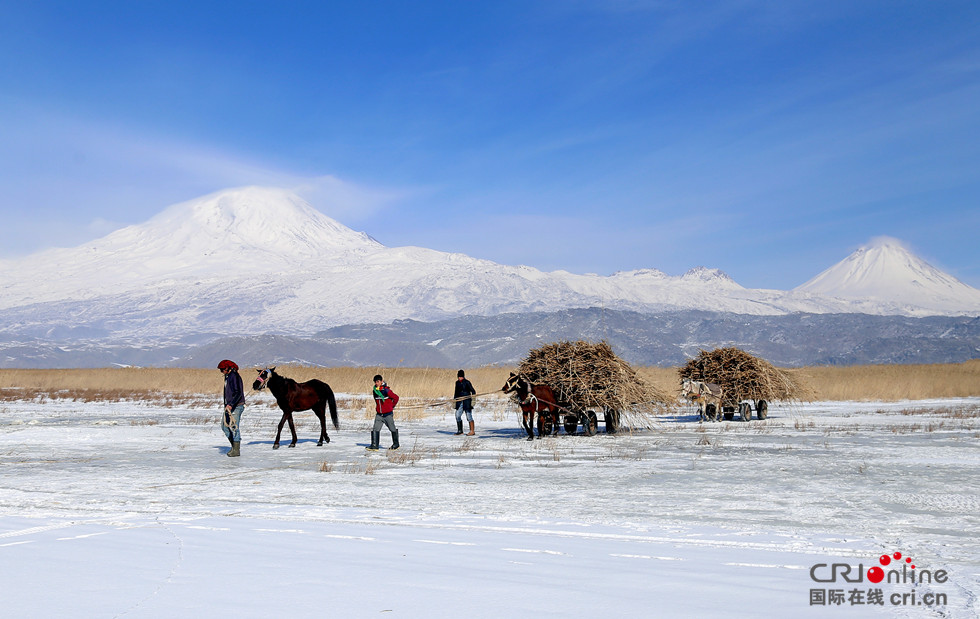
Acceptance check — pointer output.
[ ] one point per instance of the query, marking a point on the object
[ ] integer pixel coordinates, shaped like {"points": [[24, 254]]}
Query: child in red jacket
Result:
{"points": [[384, 407]]}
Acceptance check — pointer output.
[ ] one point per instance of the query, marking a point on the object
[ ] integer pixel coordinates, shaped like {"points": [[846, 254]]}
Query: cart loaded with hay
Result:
{"points": [[745, 382], [569, 384]]}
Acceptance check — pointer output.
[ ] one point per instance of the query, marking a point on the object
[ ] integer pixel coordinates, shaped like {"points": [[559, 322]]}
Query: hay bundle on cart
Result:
{"points": [[745, 377], [587, 376]]}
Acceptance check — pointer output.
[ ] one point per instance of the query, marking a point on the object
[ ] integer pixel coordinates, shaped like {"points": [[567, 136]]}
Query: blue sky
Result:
{"points": [[767, 139]]}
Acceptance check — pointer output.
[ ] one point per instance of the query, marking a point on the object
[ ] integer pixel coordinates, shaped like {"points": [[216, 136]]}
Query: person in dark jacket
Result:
{"points": [[234, 405], [463, 388], [384, 407]]}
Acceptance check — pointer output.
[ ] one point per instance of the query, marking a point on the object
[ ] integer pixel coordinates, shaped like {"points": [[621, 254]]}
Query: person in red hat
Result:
{"points": [[234, 406]]}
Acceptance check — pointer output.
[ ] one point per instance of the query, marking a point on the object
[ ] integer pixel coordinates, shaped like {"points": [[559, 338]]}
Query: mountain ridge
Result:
{"points": [[656, 339], [255, 260]]}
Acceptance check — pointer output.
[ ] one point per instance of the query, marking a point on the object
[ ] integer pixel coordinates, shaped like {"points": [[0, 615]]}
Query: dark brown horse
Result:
{"points": [[533, 399], [292, 396]]}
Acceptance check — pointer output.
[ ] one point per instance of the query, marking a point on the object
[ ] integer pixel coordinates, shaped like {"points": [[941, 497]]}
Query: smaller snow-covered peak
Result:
{"points": [[885, 269], [704, 274]]}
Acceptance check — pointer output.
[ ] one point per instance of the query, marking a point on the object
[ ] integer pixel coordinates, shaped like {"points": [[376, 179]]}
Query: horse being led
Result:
{"points": [[533, 399], [704, 394], [292, 396]]}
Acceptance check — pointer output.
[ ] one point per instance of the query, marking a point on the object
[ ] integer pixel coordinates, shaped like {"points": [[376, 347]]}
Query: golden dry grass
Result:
{"points": [[878, 382], [894, 382], [412, 382]]}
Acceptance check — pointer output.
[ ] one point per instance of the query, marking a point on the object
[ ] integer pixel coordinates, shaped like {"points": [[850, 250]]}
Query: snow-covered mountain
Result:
{"points": [[257, 260], [223, 236], [886, 271]]}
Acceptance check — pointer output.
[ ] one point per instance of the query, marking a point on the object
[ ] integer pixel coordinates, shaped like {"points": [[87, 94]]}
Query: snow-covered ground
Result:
{"points": [[131, 509]]}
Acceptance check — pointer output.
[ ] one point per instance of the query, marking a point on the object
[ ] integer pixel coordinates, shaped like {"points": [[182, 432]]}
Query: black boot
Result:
{"points": [[375, 439], [394, 439], [235, 450], [459, 427]]}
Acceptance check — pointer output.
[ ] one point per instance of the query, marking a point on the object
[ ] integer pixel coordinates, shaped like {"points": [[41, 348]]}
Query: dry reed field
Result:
{"points": [[862, 383], [894, 382], [177, 384]]}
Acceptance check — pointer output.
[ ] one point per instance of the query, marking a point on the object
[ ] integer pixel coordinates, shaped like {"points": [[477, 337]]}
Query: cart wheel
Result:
{"points": [[612, 421], [761, 409], [745, 411], [571, 423], [590, 425], [547, 427]]}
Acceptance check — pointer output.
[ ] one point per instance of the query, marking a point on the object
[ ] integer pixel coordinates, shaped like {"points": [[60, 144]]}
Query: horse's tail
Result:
{"points": [[324, 392], [332, 402]]}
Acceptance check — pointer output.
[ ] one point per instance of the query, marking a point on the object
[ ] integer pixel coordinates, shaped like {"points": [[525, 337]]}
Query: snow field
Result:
{"points": [[132, 509]]}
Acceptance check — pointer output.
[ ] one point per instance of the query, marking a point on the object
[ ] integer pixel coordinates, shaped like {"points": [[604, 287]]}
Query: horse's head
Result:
{"points": [[263, 378], [692, 389], [516, 382], [687, 386]]}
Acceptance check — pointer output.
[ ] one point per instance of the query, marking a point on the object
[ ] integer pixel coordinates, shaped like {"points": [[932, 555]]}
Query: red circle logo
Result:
{"points": [[876, 574]]}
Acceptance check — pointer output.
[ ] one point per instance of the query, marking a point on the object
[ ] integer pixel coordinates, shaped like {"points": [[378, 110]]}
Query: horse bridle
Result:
{"points": [[691, 387], [263, 381], [511, 384]]}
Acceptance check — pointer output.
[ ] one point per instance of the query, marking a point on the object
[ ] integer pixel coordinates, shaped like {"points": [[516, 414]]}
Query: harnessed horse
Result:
{"points": [[533, 399], [292, 396], [704, 394]]}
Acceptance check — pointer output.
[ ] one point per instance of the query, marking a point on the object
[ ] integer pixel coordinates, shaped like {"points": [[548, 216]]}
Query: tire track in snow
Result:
{"points": [[173, 571], [793, 546], [33, 530]]}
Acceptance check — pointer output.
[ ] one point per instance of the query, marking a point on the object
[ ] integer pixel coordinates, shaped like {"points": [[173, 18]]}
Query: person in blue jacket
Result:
{"points": [[234, 406]]}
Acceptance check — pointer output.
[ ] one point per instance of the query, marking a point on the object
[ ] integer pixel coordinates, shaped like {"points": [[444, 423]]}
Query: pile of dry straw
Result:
{"points": [[745, 377], [591, 376]]}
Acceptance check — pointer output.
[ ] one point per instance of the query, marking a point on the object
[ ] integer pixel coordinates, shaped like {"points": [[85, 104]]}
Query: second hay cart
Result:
{"points": [[747, 381]]}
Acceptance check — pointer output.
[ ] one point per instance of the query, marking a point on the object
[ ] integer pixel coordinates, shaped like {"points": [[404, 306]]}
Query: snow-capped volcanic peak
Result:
{"points": [[244, 232], [885, 269], [248, 218]]}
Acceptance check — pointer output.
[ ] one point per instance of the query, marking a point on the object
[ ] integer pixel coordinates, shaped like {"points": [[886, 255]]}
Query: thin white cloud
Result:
{"points": [[94, 177], [348, 201]]}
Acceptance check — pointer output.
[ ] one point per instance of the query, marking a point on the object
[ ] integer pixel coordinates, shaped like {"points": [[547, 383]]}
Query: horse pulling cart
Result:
{"points": [[739, 383], [552, 412], [577, 385]]}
